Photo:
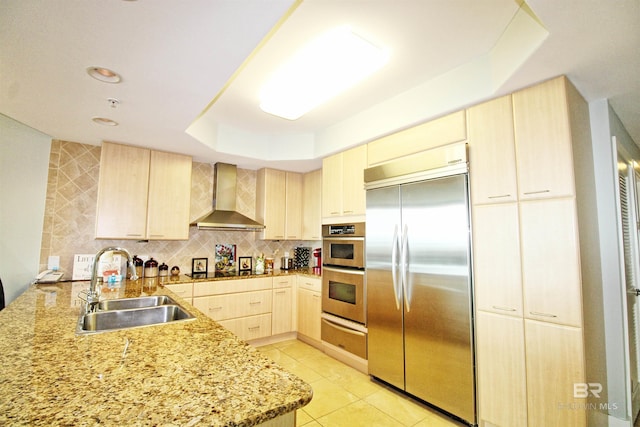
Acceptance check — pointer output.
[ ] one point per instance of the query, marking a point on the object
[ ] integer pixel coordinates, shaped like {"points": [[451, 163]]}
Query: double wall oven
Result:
{"points": [[343, 288]]}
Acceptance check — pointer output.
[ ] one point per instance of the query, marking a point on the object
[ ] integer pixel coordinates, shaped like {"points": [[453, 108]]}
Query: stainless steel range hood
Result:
{"points": [[224, 215]]}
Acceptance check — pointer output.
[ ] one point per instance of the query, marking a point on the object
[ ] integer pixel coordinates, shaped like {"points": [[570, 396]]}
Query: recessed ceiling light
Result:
{"points": [[327, 66], [104, 74], [104, 121]]}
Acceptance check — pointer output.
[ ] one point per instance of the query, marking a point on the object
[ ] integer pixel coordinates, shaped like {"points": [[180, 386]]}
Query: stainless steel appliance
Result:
{"points": [[343, 288], [343, 245], [419, 290]]}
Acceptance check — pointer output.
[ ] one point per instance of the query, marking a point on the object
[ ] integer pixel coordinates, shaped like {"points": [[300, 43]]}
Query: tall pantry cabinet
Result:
{"points": [[531, 179]]}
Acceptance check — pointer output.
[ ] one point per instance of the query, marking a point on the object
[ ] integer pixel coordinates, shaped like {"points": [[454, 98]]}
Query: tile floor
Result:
{"points": [[343, 396]]}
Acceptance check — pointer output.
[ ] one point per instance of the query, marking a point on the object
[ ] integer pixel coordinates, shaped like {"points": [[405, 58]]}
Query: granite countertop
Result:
{"points": [[191, 373]]}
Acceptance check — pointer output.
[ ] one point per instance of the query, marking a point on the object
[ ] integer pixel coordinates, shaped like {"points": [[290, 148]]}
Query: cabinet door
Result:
{"points": [[309, 313], [312, 205], [169, 196], [543, 141], [271, 202], [282, 313], [502, 387], [555, 362], [293, 216], [550, 261], [332, 186], [122, 192], [492, 158], [354, 162], [496, 258]]}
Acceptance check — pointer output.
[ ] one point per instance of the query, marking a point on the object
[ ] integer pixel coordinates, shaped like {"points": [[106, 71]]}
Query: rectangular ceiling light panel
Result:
{"points": [[327, 66]]}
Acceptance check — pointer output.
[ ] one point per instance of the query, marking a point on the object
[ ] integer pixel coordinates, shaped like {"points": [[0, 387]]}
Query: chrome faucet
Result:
{"points": [[93, 294]]}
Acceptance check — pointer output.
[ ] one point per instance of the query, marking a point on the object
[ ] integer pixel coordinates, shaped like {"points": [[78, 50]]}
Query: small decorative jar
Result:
{"points": [[175, 270], [151, 268], [163, 270]]}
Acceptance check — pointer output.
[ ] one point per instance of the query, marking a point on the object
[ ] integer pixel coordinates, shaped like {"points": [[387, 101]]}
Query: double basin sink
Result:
{"points": [[127, 313]]}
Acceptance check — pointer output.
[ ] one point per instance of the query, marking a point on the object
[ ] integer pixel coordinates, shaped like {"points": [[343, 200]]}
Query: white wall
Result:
{"points": [[24, 166], [604, 125]]}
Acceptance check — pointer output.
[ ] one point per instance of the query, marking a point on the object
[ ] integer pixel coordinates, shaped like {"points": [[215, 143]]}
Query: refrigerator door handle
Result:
{"points": [[404, 261], [394, 266]]}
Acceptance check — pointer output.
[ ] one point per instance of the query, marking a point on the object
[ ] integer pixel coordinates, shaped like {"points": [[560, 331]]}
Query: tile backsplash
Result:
{"points": [[70, 211]]}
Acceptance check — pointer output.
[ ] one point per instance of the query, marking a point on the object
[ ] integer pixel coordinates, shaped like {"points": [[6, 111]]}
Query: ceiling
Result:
{"points": [[191, 72]]}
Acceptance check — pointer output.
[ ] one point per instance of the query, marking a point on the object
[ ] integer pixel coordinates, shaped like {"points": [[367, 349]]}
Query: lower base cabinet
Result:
{"points": [[555, 365], [310, 308], [502, 387]]}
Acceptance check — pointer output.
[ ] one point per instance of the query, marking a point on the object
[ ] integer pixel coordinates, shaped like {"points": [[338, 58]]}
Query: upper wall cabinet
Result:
{"points": [[279, 204], [169, 196], [312, 205], [343, 194], [543, 141], [442, 131], [492, 157], [143, 194]]}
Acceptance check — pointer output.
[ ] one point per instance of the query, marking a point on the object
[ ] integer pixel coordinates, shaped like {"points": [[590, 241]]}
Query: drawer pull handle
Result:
{"points": [[281, 292], [500, 196], [255, 302], [133, 235], [537, 313], [497, 307], [536, 192], [215, 308], [254, 328]]}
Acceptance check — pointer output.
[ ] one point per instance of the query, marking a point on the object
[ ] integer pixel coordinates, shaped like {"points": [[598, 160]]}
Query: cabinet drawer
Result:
{"points": [[232, 306], [249, 328], [183, 290], [309, 283], [218, 287], [355, 342], [283, 281]]}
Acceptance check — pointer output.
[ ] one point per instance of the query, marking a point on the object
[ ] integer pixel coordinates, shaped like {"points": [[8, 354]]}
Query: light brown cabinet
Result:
{"points": [[528, 253], [142, 194], [492, 157], [279, 204], [502, 385], [312, 205], [169, 196], [183, 290], [243, 306], [441, 131], [496, 247], [555, 364], [284, 305], [123, 187], [309, 309], [343, 193], [551, 261], [543, 138]]}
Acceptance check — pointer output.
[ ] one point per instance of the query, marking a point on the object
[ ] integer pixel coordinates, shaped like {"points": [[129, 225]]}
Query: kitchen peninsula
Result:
{"points": [[187, 373]]}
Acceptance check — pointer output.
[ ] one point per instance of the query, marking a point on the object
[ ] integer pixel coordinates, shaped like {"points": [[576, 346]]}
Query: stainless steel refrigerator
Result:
{"points": [[419, 296]]}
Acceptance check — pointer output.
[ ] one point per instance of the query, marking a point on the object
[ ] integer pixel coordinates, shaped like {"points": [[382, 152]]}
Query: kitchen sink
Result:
{"points": [[123, 315], [140, 302]]}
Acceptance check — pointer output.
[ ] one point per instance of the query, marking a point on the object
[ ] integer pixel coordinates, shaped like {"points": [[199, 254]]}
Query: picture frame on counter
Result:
{"points": [[245, 263], [199, 267]]}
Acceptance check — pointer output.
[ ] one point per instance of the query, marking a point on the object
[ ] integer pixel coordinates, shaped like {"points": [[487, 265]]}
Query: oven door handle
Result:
{"points": [[395, 266], [404, 261]]}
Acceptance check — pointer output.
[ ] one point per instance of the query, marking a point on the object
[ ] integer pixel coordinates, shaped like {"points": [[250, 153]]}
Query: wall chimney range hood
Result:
{"points": [[224, 215]]}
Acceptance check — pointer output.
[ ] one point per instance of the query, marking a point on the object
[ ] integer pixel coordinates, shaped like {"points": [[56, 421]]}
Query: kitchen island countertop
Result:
{"points": [[191, 373]]}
